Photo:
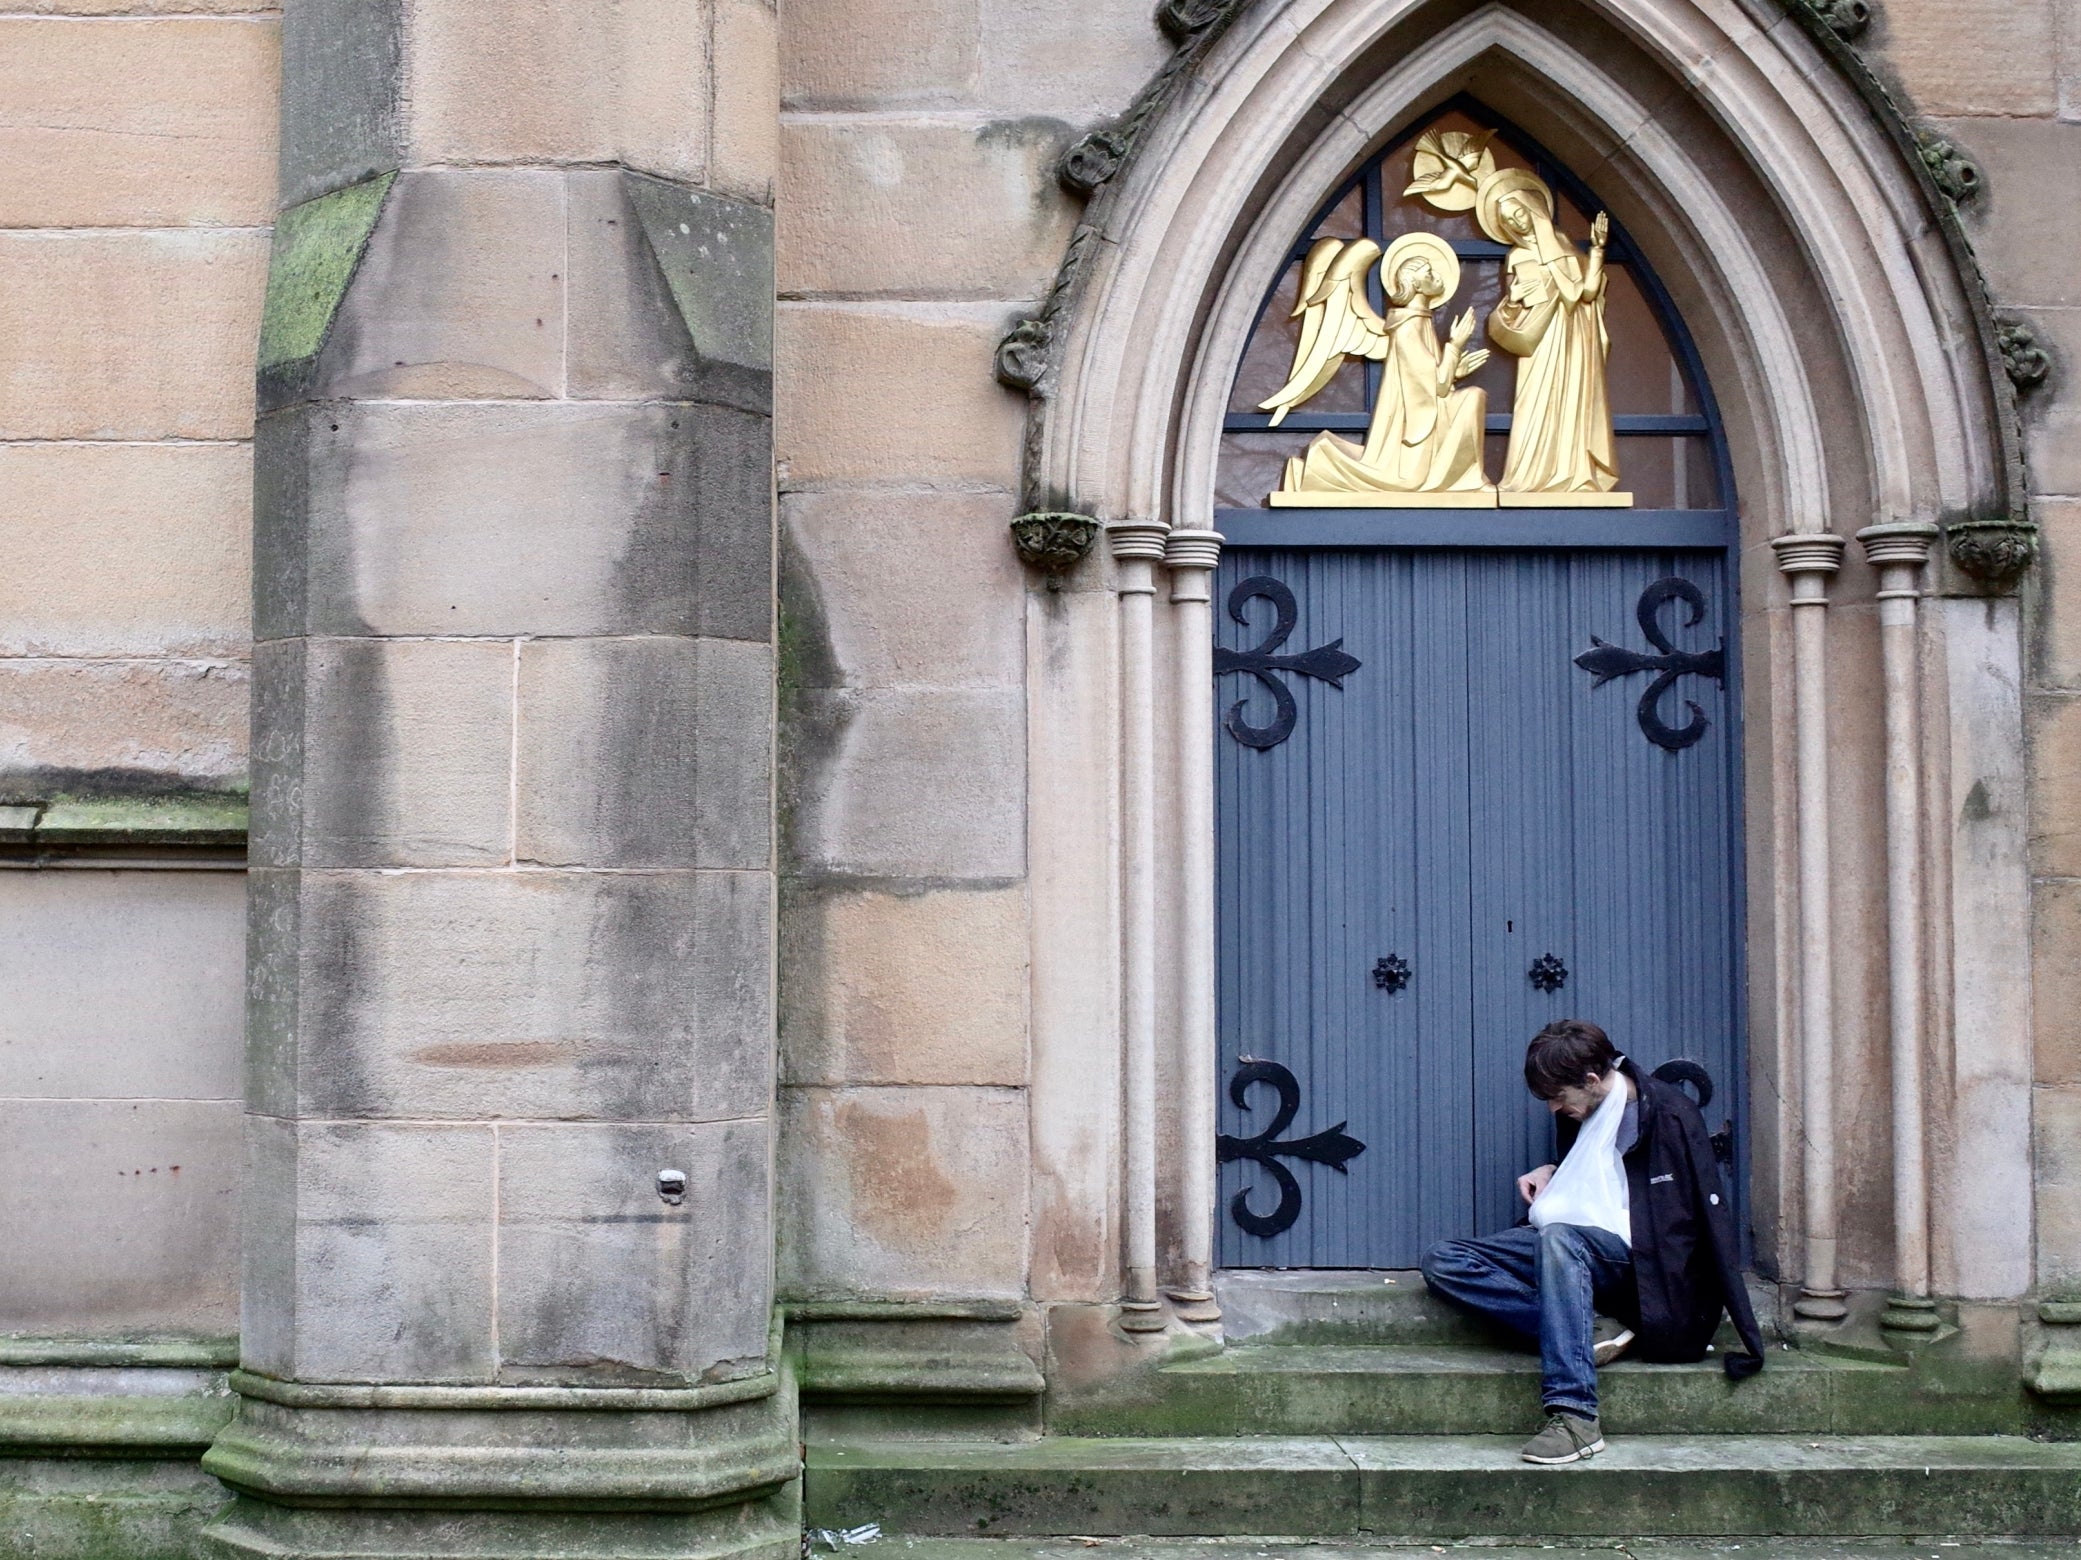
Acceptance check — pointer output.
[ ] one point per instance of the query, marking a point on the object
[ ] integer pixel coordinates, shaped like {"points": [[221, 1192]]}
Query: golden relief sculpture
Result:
{"points": [[1424, 441]]}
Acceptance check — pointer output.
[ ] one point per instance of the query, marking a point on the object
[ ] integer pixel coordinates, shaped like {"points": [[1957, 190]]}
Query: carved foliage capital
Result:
{"points": [[1053, 541], [1994, 552]]}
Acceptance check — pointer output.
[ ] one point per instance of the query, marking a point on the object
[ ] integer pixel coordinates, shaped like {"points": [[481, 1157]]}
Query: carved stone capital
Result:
{"points": [[1183, 549], [1814, 553], [1053, 541], [1138, 540], [1897, 543], [1994, 552]]}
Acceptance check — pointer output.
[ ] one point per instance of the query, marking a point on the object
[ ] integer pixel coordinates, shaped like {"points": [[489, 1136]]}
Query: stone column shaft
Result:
{"points": [[1193, 556], [1899, 552], [1137, 549], [1810, 561]]}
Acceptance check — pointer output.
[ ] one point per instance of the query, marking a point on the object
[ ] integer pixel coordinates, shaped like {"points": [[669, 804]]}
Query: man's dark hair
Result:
{"points": [[1564, 1054]]}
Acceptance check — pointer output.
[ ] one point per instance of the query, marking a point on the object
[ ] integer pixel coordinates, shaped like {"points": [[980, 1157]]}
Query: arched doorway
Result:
{"points": [[1478, 767], [1833, 299]]}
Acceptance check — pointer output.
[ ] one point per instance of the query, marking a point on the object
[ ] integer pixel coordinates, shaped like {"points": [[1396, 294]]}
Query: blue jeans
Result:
{"points": [[1548, 1285]]}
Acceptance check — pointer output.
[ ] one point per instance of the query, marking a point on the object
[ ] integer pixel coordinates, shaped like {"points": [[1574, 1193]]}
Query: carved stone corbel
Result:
{"points": [[2027, 364], [1994, 552], [1053, 541]]}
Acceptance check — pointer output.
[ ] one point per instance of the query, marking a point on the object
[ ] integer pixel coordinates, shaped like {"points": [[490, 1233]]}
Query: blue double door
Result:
{"points": [[1460, 793]]}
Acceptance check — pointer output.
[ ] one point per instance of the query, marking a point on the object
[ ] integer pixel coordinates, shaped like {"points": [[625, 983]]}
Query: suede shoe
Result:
{"points": [[1613, 1340], [1565, 1439]]}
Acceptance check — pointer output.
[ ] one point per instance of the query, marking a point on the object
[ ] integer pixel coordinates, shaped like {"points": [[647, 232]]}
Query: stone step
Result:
{"points": [[1348, 1306], [1444, 1487], [1600, 1548], [1472, 1389]]}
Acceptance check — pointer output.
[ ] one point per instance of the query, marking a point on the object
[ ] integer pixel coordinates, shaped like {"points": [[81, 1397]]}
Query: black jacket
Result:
{"points": [[1686, 1262]]}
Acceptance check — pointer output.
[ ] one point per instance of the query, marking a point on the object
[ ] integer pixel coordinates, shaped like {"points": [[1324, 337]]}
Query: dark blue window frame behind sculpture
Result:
{"points": [[1692, 508]]}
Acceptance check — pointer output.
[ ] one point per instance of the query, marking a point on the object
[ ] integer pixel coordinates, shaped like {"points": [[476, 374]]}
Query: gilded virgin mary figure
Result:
{"points": [[1424, 440], [1552, 320]]}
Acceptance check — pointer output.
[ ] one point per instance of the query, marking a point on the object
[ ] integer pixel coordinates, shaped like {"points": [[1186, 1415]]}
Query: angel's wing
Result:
{"points": [[1336, 320]]}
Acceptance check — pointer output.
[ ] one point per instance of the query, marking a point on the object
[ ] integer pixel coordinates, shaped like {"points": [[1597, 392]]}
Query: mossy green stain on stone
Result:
{"points": [[316, 247], [213, 819]]}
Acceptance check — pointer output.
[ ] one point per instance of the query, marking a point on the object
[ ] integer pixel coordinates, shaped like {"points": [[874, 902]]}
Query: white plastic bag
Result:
{"points": [[1590, 1186]]}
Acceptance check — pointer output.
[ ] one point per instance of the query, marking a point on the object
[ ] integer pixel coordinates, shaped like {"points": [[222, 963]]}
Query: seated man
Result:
{"points": [[1653, 1242]]}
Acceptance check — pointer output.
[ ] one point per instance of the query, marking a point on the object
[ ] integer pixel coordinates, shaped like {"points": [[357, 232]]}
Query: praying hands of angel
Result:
{"points": [[1425, 435]]}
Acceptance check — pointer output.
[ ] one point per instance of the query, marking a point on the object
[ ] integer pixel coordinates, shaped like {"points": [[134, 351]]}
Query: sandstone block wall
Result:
{"points": [[911, 156], [2002, 81], [918, 215], [137, 183], [140, 151]]}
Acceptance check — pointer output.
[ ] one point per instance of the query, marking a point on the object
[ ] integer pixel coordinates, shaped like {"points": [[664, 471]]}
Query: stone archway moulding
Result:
{"points": [[1130, 366]]}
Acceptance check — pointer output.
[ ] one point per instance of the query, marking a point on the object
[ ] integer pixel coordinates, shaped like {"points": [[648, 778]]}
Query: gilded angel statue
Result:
{"points": [[1552, 320], [1424, 442]]}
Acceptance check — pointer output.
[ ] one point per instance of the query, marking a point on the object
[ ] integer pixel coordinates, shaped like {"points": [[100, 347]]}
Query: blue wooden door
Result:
{"points": [[1500, 787]]}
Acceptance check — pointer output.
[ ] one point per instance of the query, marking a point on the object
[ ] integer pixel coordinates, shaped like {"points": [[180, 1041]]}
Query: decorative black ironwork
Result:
{"points": [[1604, 662], [1685, 1071], [1391, 974], [1334, 1147], [1327, 663], [1548, 973]]}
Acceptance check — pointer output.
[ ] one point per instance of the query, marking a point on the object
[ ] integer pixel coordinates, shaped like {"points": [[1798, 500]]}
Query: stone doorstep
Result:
{"points": [[1264, 1307], [1089, 1547], [1471, 1389], [1450, 1487]]}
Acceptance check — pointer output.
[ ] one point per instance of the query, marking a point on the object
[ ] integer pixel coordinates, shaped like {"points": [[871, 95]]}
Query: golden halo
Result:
{"points": [[1432, 248], [1505, 182]]}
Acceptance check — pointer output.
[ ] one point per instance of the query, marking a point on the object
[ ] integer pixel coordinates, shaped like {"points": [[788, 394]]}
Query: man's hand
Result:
{"points": [[1533, 1182]]}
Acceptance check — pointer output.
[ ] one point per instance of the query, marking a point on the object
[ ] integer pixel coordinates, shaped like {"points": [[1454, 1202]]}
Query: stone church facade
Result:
{"points": [[625, 808]]}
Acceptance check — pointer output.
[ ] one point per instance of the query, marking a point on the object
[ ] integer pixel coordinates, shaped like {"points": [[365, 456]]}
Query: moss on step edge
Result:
{"points": [[215, 819]]}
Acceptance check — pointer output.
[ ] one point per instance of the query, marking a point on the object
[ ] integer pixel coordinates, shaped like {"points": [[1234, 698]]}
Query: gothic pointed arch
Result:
{"points": [[1804, 236]]}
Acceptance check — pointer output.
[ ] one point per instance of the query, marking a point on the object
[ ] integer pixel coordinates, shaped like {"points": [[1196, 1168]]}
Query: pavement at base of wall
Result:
{"points": [[1889, 1548]]}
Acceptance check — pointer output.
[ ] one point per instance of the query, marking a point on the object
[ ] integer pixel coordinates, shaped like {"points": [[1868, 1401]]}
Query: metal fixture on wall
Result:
{"points": [[1332, 1146], [1604, 662], [1391, 974], [1548, 973], [1328, 663]]}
